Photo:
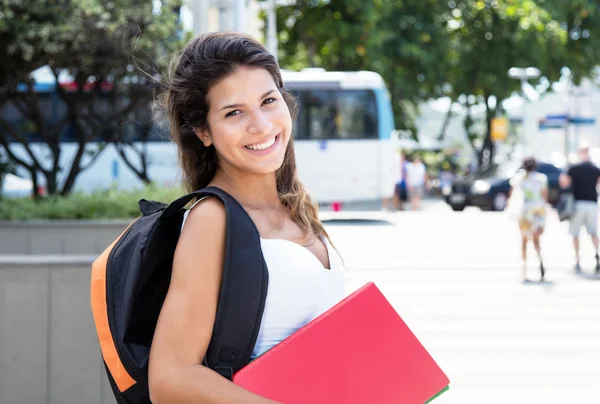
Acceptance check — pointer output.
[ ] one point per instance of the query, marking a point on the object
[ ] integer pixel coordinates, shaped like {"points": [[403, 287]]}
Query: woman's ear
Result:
{"points": [[204, 136]]}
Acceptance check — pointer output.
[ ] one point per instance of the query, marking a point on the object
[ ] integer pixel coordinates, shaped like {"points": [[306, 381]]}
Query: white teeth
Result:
{"points": [[261, 146]]}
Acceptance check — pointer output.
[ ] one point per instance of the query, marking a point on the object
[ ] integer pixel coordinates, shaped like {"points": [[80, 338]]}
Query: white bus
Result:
{"points": [[344, 150]]}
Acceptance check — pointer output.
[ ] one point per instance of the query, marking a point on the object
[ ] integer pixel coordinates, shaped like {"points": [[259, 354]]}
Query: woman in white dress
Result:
{"points": [[231, 119], [531, 189]]}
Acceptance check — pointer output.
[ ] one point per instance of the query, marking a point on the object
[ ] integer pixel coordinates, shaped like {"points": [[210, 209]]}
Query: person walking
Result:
{"points": [[399, 197], [531, 190], [415, 181], [583, 179]]}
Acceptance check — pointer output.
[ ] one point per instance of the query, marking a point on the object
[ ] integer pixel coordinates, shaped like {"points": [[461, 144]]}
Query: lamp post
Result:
{"points": [[272, 27], [523, 74]]}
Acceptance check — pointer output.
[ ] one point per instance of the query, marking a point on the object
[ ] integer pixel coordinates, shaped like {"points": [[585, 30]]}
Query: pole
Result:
{"points": [[568, 116], [199, 10], [272, 28], [238, 15], [523, 133], [523, 74]]}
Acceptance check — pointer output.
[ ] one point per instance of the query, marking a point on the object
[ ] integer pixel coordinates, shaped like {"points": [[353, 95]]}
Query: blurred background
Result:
{"points": [[467, 87]]}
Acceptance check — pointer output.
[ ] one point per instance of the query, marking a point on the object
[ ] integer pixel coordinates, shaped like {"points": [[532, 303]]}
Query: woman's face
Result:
{"points": [[250, 123]]}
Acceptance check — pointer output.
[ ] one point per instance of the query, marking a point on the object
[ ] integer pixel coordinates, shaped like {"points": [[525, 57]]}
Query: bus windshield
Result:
{"points": [[336, 114]]}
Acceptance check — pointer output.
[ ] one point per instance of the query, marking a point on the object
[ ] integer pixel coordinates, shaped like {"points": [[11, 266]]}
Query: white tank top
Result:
{"points": [[300, 288]]}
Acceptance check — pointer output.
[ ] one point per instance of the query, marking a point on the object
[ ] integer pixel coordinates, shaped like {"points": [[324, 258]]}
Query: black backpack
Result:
{"points": [[131, 278]]}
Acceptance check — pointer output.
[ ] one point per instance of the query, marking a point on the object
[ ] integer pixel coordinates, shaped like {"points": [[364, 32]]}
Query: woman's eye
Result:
{"points": [[233, 113], [269, 100]]}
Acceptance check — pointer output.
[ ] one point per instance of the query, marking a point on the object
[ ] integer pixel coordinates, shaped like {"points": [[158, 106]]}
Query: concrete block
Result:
{"points": [[14, 239], [80, 239], [46, 240], [24, 303], [74, 374]]}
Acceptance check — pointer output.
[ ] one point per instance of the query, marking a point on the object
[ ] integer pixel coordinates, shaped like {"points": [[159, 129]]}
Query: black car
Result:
{"points": [[489, 190]]}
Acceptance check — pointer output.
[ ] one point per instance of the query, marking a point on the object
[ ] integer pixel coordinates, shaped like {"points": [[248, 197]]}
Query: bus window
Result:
{"points": [[337, 114], [299, 126]]}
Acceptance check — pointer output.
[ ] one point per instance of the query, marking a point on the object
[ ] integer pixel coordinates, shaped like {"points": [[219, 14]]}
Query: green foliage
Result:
{"points": [[329, 34], [430, 48], [92, 37], [399, 39], [112, 50], [112, 204], [487, 38], [579, 24], [408, 48]]}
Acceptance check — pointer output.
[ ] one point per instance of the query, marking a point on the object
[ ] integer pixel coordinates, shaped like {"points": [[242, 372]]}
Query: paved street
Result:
{"points": [[455, 278]]}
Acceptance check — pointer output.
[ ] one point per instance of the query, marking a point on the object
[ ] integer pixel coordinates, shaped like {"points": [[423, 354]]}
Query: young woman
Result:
{"points": [[531, 188], [231, 119]]}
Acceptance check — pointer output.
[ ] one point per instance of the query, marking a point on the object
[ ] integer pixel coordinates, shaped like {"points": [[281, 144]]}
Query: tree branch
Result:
{"points": [[7, 128], [92, 159], [128, 163], [12, 156], [35, 112], [56, 128], [442, 133], [143, 173]]}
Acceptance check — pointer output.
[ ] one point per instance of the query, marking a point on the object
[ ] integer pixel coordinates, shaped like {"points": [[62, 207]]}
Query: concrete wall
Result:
{"points": [[59, 237], [49, 352]]}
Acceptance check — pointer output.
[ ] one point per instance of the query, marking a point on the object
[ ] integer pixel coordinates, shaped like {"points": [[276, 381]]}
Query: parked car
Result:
{"points": [[489, 190], [14, 186]]}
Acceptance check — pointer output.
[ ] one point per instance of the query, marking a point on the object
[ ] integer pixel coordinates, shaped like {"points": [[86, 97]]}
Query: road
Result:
{"points": [[455, 278]]}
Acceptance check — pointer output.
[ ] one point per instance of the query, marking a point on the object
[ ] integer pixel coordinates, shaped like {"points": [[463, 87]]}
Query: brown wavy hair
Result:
{"points": [[204, 61]]}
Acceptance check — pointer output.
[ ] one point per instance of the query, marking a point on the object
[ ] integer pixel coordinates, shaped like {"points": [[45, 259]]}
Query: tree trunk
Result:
{"points": [[486, 154], [467, 125], [446, 122], [52, 183], [142, 173], [34, 182], [76, 163]]}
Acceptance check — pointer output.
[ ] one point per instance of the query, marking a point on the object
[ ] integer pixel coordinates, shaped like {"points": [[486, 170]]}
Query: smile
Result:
{"points": [[263, 146]]}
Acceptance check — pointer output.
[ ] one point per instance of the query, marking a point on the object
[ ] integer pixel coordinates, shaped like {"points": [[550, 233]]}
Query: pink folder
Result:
{"points": [[358, 352]]}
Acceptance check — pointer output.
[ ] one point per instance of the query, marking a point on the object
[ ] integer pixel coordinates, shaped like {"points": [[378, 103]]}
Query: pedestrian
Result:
{"points": [[583, 178], [415, 181], [231, 119], [399, 197], [529, 192]]}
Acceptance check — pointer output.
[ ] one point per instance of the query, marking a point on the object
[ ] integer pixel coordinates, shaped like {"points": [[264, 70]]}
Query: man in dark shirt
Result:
{"points": [[583, 179]]}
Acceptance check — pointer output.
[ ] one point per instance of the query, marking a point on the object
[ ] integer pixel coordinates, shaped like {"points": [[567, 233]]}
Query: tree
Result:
{"points": [[579, 20], [328, 34], [461, 49], [94, 43], [487, 38], [400, 39], [408, 49]]}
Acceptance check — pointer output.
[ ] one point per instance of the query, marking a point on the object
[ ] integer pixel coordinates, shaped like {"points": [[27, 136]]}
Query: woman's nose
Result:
{"points": [[260, 124]]}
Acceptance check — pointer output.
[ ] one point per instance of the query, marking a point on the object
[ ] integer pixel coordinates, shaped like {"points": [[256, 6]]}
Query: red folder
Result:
{"points": [[358, 352]]}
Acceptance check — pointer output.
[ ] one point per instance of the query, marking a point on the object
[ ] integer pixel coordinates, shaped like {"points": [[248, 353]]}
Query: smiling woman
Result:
{"points": [[232, 121], [249, 127]]}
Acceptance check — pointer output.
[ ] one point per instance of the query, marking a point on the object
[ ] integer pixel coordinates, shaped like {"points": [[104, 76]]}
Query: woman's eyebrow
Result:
{"points": [[239, 105]]}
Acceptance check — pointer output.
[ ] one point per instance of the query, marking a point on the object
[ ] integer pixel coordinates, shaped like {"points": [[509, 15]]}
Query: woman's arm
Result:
{"points": [[187, 317]]}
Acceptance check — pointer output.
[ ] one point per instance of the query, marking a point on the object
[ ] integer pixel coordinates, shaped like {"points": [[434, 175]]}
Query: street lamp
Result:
{"points": [[523, 74]]}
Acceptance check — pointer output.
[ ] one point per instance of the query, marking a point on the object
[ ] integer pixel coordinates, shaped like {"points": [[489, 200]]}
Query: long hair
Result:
{"points": [[206, 60]]}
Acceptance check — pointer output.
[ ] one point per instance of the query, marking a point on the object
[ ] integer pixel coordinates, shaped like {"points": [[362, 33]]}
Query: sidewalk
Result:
{"points": [[376, 205]]}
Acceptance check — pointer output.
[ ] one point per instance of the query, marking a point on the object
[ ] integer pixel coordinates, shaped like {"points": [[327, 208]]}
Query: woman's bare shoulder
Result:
{"points": [[207, 215], [203, 236]]}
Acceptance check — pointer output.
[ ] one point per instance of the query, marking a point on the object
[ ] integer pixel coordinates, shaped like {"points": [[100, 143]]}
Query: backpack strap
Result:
{"points": [[243, 288]]}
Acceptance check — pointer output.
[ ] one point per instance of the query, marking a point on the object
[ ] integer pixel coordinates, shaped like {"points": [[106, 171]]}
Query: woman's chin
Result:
{"points": [[266, 166], [266, 169]]}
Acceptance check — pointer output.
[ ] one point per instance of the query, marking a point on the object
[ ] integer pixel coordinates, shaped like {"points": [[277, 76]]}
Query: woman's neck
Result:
{"points": [[252, 191]]}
